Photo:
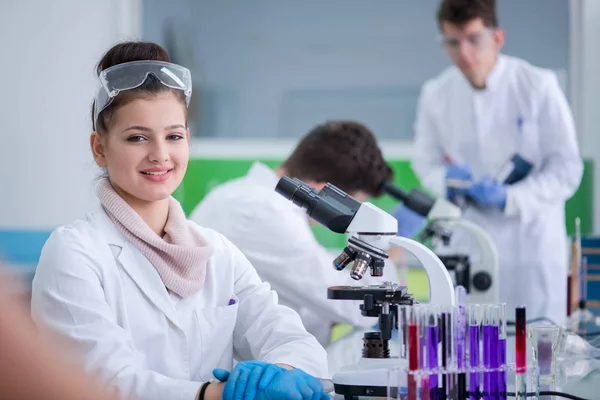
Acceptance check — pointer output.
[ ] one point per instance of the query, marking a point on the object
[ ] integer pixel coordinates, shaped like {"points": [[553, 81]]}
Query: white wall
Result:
{"points": [[49, 50], [273, 69]]}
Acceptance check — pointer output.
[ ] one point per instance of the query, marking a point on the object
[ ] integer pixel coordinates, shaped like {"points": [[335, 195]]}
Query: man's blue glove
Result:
{"points": [[294, 384], [409, 222], [488, 192], [458, 172], [247, 379]]}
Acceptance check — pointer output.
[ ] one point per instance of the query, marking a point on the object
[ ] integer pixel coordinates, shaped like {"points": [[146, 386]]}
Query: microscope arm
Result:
{"points": [[484, 240], [489, 262], [441, 289]]}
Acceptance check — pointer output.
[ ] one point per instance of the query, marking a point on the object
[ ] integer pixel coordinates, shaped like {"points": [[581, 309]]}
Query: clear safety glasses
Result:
{"points": [[133, 74], [474, 41]]}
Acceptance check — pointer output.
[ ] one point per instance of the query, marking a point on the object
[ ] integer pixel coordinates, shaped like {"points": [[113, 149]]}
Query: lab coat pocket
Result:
{"points": [[216, 326]]}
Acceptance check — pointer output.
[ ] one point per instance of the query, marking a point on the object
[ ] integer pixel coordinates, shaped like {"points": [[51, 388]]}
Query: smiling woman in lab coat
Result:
{"points": [[153, 302]]}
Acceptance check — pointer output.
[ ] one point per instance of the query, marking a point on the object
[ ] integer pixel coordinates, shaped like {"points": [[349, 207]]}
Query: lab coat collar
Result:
{"points": [[495, 76], [137, 267], [262, 175], [493, 79]]}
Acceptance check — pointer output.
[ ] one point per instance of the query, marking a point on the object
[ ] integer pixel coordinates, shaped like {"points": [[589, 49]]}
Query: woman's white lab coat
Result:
{"points": [[275, 235], [522, 110], [99, 293]]}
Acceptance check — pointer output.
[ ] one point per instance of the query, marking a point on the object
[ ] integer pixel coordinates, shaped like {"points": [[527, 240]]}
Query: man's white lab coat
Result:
{"points": [[521, 110], [276, 237]]}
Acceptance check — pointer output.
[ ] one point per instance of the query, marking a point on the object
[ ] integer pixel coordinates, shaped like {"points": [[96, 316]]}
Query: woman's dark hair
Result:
{"points": [[343, 153], [459, 12], [126, 52]]}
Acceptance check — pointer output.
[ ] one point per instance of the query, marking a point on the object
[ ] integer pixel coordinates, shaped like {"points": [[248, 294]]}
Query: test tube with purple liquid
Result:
{"points": [[502, 351], [475, 315], [490, 351], [422, 312], [432, 338]]}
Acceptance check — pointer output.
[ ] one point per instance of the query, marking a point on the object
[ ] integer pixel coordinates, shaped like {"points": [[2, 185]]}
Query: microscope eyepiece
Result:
{"points": [[330, 206], [417, 200], [297, 191]]}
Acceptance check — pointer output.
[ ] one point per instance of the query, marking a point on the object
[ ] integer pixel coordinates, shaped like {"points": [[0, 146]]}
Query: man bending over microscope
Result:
{"points": [[275, 234]]}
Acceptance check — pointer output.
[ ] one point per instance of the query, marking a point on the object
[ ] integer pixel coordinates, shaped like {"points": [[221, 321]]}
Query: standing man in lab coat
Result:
{"points": [[275, 235], [487, 109]]}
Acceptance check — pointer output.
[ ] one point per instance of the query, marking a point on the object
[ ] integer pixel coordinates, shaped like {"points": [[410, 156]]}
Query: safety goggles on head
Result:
{"points": [[474, 40], [133, 74]]}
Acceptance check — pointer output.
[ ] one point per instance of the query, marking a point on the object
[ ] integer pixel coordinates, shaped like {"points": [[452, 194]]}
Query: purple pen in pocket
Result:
{"points": [[231, 302]]}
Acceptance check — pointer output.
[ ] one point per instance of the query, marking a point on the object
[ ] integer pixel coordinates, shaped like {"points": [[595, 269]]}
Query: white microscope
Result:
{"points": [[479, 278], [373, 232]]}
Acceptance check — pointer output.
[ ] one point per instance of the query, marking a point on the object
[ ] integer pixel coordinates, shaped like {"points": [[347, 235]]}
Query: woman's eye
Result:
{"points": [[176, 136], [136, 138]]}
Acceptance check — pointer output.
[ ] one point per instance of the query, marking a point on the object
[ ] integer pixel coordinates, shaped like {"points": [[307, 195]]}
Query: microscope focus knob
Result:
{"points": [[482, 281]]}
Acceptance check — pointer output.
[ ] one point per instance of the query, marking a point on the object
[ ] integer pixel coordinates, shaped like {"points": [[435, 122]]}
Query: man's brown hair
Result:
{"points": [[343, 153], [459, 12]]}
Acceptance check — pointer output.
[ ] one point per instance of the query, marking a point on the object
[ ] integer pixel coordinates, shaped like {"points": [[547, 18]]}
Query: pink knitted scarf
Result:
{"points": [[180, 257]]}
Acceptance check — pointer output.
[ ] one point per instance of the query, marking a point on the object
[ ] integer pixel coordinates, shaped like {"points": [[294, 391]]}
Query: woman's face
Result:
{"points": [[146, 149]]}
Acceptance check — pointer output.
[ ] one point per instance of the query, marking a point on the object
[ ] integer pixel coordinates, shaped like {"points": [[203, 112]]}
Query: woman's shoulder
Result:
{"points": [[81, 230], [78, 240]]}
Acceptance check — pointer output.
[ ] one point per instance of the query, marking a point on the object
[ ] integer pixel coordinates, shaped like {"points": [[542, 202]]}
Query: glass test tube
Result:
{"points": [[412, 323], [451, 365], [475, 316], [521, 353], [460, 341], [490, 351], [502, 351], [432, 338], [443, 339], [403, 332], [421, 310], [423, 378]]}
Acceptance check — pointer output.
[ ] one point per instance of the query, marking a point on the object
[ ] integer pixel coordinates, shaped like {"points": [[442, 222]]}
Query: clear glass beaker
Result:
{"points": [[545, 340]]}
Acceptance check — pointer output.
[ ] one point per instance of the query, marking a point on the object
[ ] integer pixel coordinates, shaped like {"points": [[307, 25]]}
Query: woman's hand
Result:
{"points": [[293, 385], [246, 379]]}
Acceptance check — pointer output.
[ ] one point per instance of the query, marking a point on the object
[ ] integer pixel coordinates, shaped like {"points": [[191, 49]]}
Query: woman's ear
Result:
{"points": [[98, 149]]}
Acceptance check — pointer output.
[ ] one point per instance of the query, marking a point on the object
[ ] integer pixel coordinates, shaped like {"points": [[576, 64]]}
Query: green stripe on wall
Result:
{"points": [[204, 174], [582, 203]]}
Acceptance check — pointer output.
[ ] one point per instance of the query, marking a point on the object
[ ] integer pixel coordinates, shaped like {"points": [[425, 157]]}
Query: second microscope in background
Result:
{"points": [[478, 276]]}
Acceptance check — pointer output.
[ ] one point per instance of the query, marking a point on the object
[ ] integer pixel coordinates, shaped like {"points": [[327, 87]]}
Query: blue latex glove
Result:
{"points": [[460, 172], [294, 384], [488, 192], [247, 378], [409, 222]]}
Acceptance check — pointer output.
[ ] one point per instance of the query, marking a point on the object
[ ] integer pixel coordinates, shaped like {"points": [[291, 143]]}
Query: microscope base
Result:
{"points": [[370, 377]]}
